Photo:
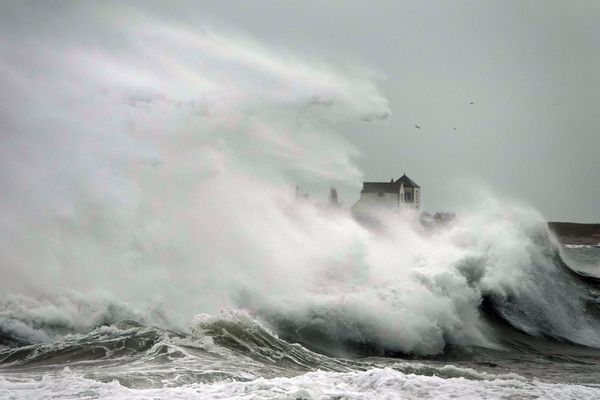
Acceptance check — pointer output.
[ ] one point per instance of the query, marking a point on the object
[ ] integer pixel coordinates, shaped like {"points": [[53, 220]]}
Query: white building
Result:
{"points": [[387, 196]]}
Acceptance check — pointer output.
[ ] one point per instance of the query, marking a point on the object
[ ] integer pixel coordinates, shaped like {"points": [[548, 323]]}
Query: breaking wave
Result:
{"points": [[371, 384], [161, 195], [151, 179], [235, 356], [453, 295], [464, 282]]}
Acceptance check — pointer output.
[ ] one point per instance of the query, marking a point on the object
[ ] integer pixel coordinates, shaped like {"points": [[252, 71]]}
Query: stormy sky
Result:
{"points": [[506, 94]]}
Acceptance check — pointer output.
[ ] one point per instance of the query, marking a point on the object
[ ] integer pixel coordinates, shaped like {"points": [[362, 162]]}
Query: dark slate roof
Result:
{"points": [[380, 187], [407, 182], [388, 187]]}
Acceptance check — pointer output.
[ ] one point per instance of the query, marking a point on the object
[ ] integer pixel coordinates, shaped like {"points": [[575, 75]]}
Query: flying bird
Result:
{"points": [[417, 126], [471, 103]]}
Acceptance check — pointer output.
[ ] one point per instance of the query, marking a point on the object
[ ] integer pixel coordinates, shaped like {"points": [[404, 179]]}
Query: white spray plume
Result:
{"points": [[151, 176], [158, 168]]}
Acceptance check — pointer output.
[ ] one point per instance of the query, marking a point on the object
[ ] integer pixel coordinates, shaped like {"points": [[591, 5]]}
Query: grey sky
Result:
{"points": [[530, 68]]}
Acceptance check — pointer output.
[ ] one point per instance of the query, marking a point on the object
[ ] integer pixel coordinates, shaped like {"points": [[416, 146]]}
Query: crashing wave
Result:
{"points": [[374, 383]]}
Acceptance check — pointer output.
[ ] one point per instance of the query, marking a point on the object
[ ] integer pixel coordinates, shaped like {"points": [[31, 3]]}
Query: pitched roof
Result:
{"points": [[407, 182], [389, 187]]}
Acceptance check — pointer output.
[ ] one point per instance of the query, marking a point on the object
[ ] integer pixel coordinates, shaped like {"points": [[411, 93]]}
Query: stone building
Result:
{"points": [[388, 196]]}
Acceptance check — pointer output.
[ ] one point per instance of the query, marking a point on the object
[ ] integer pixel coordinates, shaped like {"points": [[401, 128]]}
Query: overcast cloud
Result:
{"points": [[529, 68]]}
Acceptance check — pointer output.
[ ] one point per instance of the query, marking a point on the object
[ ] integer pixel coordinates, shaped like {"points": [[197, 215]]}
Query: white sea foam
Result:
{"points": [[151, 177], [578, 246], [371, 384], [158, 184]]}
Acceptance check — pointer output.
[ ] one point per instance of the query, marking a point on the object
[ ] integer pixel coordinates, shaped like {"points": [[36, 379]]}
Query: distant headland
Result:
{"points": [[574, 233]]}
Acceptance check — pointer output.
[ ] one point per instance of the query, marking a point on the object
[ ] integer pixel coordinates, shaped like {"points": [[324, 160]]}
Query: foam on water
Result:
{"points": [[152, 178], [581, 246], [371, 384], [158, 195]]}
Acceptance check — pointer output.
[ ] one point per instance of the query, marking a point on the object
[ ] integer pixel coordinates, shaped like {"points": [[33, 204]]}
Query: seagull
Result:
{"points": [[417, 126], [471, 103]]}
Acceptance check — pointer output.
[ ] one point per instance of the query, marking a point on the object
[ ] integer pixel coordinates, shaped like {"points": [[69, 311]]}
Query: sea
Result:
{"points": [[541, 344], [164, 232]]}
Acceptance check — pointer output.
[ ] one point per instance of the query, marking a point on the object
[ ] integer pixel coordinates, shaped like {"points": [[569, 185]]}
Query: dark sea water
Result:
{"points": [[583, 258], [235, 355]]}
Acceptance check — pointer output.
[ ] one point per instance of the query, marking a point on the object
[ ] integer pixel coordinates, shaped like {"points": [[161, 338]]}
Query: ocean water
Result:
{"points": [[241, 354], [152, 247]]}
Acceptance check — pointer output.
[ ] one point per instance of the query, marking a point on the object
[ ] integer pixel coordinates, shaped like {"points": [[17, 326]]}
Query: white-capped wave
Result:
{"points": [[157, 173], [372, 384], [578, 246]]}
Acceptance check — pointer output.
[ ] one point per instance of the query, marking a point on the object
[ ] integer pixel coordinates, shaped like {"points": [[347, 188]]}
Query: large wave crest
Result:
{"points": [[151, 178]]}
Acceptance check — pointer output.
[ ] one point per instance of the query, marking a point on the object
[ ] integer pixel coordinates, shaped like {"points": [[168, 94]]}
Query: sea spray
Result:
{"points": [[162, 182], [147, 173]]}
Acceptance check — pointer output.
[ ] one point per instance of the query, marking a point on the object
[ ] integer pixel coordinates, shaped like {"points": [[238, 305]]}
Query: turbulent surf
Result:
{"points": [[538, 340], [152, 244]]}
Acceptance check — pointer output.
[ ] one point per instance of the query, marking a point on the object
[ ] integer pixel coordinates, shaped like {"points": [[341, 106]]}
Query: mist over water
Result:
{"points": [[152, 178], [159, 169], [150, 175]]}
